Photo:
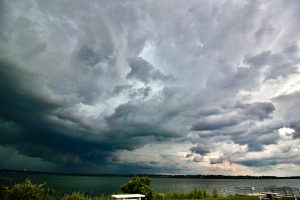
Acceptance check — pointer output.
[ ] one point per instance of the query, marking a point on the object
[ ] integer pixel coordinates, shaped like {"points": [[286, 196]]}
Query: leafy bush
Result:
{"points": [[3, 192], [28, 191], [139, 184]]}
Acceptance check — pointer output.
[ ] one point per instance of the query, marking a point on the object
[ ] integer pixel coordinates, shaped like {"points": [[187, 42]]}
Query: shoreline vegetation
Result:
{"points": [[28, 190], [153, 175]]}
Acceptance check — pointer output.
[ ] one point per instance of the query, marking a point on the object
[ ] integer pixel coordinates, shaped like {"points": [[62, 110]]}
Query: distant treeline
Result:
{"points": [[153, 175]]}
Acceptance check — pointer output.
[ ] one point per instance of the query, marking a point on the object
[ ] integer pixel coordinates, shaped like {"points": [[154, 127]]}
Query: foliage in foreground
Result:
{"points": [[234, 198], [75, 196], [193, 194], [29, 191], [139, 185]]}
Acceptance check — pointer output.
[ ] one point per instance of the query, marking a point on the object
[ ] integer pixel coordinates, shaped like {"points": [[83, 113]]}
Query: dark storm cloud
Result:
{"points": [[26, 125], [17, 94], [46, 125], [254, 136], [257, 137], [259, 110], [126, 122], [11, 159], [259, 162], [208, 111], [200, 149], [24, 117], [272, 160], [213, 124], [98, 88]]}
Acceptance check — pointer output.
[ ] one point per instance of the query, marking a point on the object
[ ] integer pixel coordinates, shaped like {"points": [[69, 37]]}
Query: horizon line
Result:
{"points": [[145, 174]]}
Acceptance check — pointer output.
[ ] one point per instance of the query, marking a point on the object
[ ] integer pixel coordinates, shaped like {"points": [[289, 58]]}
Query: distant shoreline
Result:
{"points": [[150, 175]]}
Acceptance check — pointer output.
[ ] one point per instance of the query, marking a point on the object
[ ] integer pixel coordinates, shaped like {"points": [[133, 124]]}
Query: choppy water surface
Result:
{"points": [[106, 185], [225, 186]]}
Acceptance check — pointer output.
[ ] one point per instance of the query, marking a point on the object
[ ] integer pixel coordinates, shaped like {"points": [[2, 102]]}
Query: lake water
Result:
{"points": [[106, 185]]}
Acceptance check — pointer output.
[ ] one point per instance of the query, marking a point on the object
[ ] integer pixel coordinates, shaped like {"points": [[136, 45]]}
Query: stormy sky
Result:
{"points": [[188, 87]]}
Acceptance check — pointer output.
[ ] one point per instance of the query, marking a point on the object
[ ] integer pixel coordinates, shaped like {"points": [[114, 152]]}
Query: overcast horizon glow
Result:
{"points": [[169, 87]]}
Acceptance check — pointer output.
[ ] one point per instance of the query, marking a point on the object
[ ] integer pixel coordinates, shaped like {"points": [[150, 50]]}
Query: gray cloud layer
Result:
{"points": [[168, 87]]}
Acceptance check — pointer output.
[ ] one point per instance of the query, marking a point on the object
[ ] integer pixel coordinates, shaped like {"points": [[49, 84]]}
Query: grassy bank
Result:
{"points": [[191, 194], [29, 191]]}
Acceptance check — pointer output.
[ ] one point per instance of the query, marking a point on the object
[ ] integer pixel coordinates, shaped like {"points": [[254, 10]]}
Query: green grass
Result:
{"points": [[234, 198], [193, 194]]}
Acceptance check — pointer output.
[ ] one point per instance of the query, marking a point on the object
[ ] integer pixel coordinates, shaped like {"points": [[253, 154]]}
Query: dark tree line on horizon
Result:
{"points": [[198, 176]]}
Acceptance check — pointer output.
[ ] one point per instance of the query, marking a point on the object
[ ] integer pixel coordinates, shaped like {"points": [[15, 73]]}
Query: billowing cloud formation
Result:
{"points": [[150, 87]]}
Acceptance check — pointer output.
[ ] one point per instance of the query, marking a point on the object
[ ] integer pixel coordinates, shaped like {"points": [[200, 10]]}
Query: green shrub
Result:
{"points": [[3, 192], [28, 191], [139, 184]]}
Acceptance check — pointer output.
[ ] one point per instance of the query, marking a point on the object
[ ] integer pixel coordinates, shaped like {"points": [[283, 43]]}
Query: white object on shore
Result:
{"points": [[128, 196]]}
